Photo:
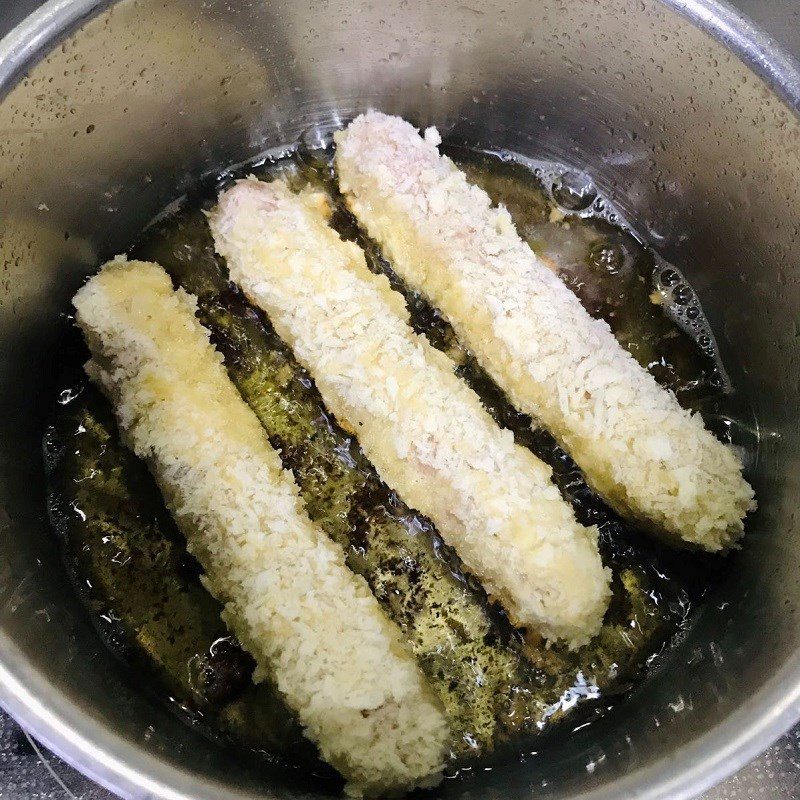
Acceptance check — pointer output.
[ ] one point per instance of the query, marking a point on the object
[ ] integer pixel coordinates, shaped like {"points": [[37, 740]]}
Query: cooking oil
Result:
{"points": [[499, 686]]}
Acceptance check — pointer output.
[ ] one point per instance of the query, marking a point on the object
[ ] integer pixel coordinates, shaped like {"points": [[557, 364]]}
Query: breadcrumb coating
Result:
{"points": [[308, 621], [423, 428], [653, 461]]}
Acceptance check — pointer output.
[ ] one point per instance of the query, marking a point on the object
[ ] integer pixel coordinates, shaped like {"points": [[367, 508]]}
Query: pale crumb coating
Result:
{"points": [[653, 461], [425, 431], [307, 620]]}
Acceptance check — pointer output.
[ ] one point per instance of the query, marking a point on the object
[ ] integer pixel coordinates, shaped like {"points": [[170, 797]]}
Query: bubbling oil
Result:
{"points": [[500, 686]]}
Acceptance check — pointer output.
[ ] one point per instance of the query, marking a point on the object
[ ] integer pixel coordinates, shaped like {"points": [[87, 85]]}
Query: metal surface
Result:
{"points": [[673, 125], [36, 774]]}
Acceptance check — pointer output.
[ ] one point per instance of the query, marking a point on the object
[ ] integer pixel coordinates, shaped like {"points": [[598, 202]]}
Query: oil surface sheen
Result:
{"points": [[500, 686]]}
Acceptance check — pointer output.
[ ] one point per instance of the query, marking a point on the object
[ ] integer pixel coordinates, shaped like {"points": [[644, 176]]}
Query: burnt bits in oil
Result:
{"points": [[499, 685]]}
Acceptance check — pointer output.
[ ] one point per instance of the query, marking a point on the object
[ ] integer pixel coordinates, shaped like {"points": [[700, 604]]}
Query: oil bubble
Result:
{"points": [[66, 396], [607, 256], [314, 145], [669, 277], [573, 191], [682, 294]]}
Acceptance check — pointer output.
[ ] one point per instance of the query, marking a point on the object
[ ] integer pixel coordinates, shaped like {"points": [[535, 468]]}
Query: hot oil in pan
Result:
{"points": [[500, 686]]}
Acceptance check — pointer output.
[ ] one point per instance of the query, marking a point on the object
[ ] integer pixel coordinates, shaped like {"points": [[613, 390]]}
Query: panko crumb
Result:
{"points": [[423, 428], [310, 623], [653, 461]]}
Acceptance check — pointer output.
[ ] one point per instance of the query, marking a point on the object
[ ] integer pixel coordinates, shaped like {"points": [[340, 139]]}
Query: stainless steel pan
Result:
{"points": [[684, 115]]}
